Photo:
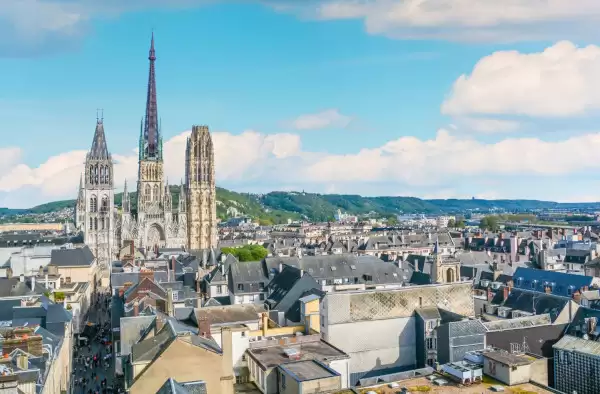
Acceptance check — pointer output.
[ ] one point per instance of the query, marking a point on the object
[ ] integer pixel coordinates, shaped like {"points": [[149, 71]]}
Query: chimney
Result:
{"points": [[301, 273], [280, 267], [265, 323], [46, 280], [136, 308], [23, 361], [170, 302], [33, 283], [577, 297], [223, 270], [9, 272], [22, 278], [506, 292], [173, 263], [227, 378]]}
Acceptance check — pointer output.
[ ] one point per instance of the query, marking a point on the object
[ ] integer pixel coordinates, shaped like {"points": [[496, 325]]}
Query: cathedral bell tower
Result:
{"points": [[150, 187], [201, 195], [98, 197]]}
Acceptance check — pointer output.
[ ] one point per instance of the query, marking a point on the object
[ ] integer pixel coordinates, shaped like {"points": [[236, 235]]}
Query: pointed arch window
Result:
{"points": [[104, 206], [147, 193], [91, 224], [102, 223], [96, 174], [95, 223], [94, 204], [156, 193], [101, 173]]}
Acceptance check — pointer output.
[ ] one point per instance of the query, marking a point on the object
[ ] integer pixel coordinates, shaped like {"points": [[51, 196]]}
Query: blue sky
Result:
{"points": [[358, 98]]}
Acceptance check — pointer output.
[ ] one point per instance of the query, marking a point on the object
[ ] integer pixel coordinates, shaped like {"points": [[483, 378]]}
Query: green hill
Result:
{"points": [[278, 207]]}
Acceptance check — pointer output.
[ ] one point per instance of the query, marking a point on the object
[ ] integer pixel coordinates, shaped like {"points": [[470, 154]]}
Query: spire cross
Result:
{"points": [[99, 114]]}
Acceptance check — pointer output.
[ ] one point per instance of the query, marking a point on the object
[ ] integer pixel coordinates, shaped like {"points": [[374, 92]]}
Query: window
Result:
{"points": [[261, 297], [175, 296], [240, 287], [431, 324], [95, 223], [94, 204], [91, 224], [102, 223], [243, 355], [243, 336], [261, 286], [219, 289], [431, 343]]}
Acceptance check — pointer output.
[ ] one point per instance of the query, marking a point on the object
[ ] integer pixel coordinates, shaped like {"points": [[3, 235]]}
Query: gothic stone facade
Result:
{"points": [[157, 223], [200, 182], [95, 215]]}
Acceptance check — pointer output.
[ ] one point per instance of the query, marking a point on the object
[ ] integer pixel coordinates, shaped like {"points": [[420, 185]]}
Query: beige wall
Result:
{"points": [[539, 371], [79, 274], [567, 314], [31, 227], [185, 362], [308, 387], [505, 374], [59, 376]]}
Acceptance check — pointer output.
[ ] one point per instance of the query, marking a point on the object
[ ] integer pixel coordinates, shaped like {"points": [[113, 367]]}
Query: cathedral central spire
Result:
{"points": [[152, 142]]}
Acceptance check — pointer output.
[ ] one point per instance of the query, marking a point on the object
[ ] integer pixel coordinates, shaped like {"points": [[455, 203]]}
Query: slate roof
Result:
{"points": [[171, 386], [133, 329], [247, 277], [519, 322], [13, 287], [355, 268], [286, 290], [6, 308], [466, 328], [534, 279], [148, 349], [428, 313], [77, 257], [229, 314], [533, 302]]}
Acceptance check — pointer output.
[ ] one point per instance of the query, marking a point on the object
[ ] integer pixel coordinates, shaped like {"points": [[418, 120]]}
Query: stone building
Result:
{"points": [[95, 214], [154, 222], [201, 190]]}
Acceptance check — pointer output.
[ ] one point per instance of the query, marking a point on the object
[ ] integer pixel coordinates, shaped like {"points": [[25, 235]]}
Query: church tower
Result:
{"points": [[150, 187], [201, 197], [98, 197]]}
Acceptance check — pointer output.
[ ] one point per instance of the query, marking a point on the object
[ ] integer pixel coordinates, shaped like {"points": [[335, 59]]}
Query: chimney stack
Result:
{"points": [[136, 308], [280, 267], [170, 302], [33, 283], [22, 278], [506, 292], [46, 280]]}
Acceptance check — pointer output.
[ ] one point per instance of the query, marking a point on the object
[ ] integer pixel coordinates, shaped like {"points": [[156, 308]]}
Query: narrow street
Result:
{"points": [[93, 365]]}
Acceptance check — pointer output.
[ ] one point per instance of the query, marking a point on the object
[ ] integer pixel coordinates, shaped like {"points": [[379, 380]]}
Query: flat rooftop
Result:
{"points": [[419, 384], [272, 356], [230, 313], [508, 358], [305, 370]]}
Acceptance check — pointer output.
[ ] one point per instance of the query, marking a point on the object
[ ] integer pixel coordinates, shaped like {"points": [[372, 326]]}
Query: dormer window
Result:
{"points": [[240, 287], [519, 281]]}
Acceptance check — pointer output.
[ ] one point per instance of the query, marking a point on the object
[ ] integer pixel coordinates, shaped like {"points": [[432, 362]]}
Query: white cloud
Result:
{"points": [[488, 126], [29, 26], [445, 166], [321, 120], [563, 80], [466, 20]]}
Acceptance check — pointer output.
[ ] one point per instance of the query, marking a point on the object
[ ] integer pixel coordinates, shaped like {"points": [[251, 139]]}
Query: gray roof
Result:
{"points": [[132, 330], [171, 386], [466, 328], [13, 287], [148, 349], [578, 345], [356, 268], [520, 322], [78, 257], [248, 277], [429, 313]]}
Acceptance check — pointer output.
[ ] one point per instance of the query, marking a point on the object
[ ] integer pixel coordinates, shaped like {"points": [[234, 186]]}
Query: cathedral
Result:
{"points": [[154, 222]]}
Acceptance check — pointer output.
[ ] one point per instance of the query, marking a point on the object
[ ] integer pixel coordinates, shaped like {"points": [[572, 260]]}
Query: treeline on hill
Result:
{"points": [[247, 252], [278, 207]]}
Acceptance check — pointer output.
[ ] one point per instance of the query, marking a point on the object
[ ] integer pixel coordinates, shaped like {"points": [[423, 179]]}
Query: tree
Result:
{"points": [[247, 252], [489, 223], [451, 223], [460, 223]]}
